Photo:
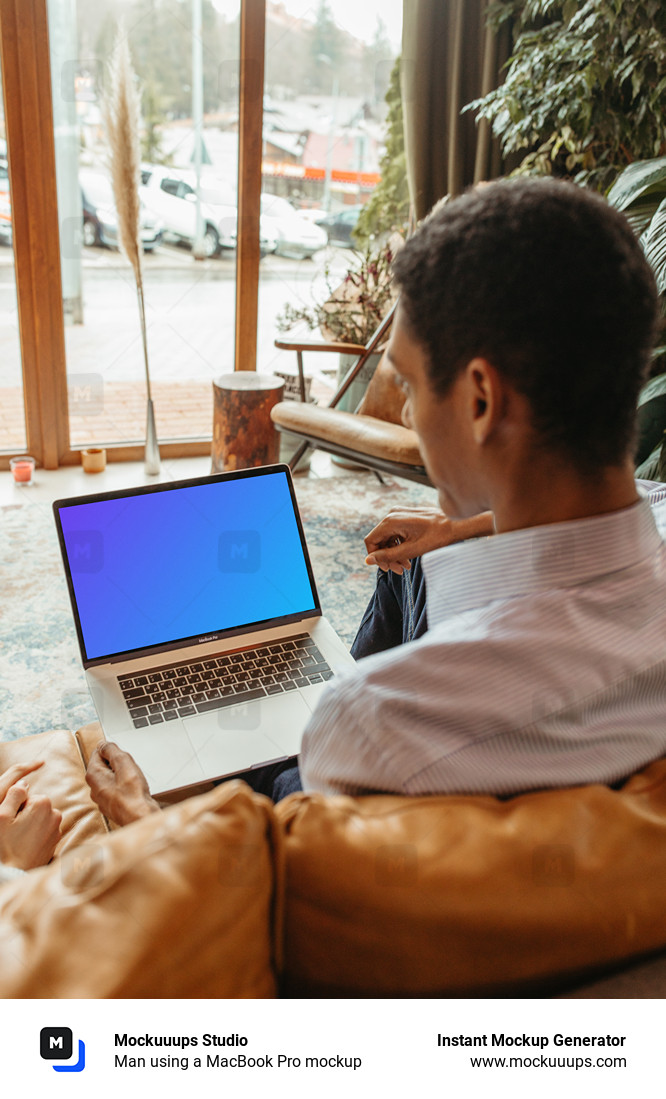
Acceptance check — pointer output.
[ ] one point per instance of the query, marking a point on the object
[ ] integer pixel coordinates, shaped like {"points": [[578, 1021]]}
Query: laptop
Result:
{"points": [[201, 634]]}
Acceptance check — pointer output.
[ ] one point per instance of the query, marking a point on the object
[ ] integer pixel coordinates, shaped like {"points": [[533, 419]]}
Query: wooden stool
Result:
{"points": [[243, 433]]}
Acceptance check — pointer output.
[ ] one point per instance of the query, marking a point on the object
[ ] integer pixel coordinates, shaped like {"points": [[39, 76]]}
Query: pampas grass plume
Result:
{"points": [[121, 112]]}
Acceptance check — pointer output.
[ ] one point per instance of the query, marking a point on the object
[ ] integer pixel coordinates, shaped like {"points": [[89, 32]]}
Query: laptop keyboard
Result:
{"points": [[184, 689]]}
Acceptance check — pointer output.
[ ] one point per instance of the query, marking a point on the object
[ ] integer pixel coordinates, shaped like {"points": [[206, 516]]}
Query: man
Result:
{"points": [[526, 322]]}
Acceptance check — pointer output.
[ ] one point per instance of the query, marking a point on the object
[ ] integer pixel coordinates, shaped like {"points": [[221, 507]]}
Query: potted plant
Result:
{"points": [[640, 192], [350, 312]]}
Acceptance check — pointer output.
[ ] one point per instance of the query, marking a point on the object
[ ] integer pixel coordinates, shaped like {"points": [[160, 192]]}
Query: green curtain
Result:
{"points": [[449, 57]]}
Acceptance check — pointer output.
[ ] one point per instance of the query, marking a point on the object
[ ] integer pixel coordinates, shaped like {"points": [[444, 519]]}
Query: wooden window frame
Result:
{"points": [[26, 80]]}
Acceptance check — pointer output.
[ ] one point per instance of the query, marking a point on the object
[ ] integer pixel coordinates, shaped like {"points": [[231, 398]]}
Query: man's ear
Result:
{"points": [[484, 396]]}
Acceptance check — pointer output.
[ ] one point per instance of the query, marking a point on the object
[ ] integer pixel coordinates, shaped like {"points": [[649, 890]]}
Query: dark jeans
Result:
{"points": [[396, 613], [276, 781]]}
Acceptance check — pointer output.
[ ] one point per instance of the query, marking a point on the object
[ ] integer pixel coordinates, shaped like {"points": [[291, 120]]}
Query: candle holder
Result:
{"points": [[22, 469], [93, 460]]}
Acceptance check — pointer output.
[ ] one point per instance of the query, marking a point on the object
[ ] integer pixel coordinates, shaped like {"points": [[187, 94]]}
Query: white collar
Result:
{"points": [[523, 562]]}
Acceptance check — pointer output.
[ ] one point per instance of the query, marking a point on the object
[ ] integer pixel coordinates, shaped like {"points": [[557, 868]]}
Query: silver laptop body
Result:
{"points": [[199, 623]]}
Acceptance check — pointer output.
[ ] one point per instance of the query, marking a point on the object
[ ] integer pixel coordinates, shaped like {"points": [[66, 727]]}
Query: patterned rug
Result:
{"points": [[41, 681]]}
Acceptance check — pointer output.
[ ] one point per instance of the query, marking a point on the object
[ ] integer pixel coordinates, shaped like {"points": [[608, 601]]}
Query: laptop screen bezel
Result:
{"points": [[196, 639]]}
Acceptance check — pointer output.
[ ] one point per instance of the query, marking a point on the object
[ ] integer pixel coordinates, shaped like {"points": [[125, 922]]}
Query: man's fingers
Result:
{"points": [[383, 533], [114, 756], [100, 770], [388, 558], [108, 759], [112, 771], [105, 751], [97, 773], [399, 547], [379, 560], [401, 524], [15, 772], [383, 540]]}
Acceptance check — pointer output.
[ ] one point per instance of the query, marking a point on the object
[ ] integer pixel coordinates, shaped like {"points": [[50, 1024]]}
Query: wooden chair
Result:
{"points": [[373, 435]]}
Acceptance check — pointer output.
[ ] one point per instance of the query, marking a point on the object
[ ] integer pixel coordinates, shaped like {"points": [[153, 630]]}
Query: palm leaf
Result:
{"points": [[654, 388], [651, 468], [640, 213], [654, 246], [651, 417], [640, 180]]}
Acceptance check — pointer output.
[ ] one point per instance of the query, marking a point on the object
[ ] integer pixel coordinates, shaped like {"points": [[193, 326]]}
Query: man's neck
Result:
{"points": [[552, 493]]}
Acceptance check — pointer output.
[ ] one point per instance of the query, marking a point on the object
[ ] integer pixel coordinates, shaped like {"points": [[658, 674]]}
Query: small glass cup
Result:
{"points": [[22, 469]]}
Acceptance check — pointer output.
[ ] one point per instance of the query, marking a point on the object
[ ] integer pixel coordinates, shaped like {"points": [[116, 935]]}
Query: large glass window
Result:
{"points": [[327, 70], [12, 412], [188, 95], [326, 76]]}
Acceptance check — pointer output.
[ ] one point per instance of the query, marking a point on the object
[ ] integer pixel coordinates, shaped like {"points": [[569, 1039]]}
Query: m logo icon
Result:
{"points": [[86, 551], [239, 551], [56, 1044]]}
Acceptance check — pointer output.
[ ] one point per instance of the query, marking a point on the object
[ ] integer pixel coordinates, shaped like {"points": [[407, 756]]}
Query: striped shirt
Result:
{"points": [[544, 665]]}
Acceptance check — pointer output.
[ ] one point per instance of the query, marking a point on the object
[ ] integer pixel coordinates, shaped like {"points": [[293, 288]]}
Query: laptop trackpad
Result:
{"points": [[236, 738]]}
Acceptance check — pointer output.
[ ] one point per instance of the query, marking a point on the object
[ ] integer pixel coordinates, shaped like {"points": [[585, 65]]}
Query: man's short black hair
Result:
{"points": [[549, 284]]}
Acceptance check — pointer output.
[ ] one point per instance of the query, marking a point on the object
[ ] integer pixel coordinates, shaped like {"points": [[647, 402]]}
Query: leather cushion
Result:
{"points": [[392, 896], [383, 398], [179, 904], [364, 434], [62, 780]]}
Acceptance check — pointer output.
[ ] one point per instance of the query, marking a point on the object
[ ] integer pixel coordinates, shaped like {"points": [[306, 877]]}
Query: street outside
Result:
{"points": [[191, 315]]}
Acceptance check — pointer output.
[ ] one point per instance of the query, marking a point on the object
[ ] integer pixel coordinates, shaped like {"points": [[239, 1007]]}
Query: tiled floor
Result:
{"points": [[117, 413]]}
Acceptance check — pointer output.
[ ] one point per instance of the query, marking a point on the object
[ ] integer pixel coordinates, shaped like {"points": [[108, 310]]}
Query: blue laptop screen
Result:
{"points": [[157, 567]]}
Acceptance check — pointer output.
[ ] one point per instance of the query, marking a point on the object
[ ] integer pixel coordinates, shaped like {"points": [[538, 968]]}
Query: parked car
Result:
{"points": [[339, 226], [314, 214], [170, 194], [295, 235], [100, 217]]}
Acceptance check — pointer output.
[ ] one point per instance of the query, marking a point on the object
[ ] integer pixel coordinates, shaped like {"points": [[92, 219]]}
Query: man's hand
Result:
{"points": [[117, 785], [29, 825], [406, 533]]}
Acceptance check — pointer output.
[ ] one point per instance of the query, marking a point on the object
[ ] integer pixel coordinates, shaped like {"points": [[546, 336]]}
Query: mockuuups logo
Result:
{"points": [[56, 1044]]}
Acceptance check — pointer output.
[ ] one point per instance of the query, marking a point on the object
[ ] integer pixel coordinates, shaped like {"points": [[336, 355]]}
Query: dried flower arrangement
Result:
{"points": [[121, 111], [354, 308]]}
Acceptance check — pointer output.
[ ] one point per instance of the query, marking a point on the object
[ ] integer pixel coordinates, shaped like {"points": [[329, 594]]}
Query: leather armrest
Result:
{"points": [[319, 345], [184, 903]]}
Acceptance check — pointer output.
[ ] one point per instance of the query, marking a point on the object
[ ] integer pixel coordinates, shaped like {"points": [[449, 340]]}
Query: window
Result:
{"points": [[171, 186]]}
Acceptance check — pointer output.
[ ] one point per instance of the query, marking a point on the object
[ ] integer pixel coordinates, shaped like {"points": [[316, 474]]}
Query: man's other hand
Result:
{"points": [[407, 532], [117, 784], [29, 825]]}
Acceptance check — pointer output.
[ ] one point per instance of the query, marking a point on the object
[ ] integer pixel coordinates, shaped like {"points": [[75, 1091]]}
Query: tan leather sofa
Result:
{"points": [[224, 895]]}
